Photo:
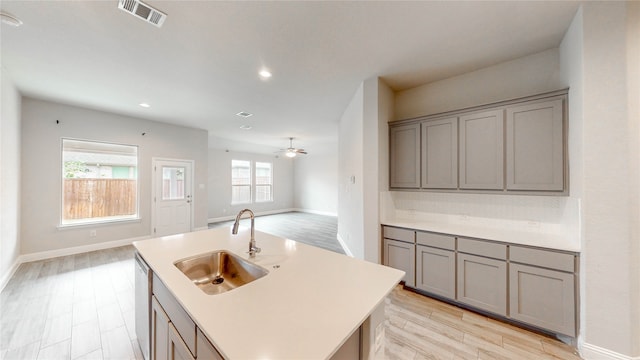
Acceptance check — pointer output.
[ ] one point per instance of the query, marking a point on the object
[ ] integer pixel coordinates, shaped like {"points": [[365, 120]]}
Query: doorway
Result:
{"points": [[172, 205]]}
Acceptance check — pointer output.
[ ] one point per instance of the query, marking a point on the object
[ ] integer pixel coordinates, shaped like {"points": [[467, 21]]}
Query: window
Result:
{"points": [[99, 182], [240, 182], [264, 182]]}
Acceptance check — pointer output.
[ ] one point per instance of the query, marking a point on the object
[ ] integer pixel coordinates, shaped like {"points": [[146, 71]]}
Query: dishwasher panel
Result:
{"points": [[143, 304]]}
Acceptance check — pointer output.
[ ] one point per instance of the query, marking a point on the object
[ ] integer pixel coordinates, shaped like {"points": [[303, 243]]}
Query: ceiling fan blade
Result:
{"points": [[301, 151]]}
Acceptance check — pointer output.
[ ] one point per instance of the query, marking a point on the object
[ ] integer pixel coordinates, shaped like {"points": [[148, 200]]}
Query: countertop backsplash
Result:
{"points": [[554, 216]]}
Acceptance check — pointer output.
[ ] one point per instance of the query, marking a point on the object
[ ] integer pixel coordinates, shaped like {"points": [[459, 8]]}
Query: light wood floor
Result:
{"points": [[72, 307], [82, 307], [419, 327], [311, 229]]}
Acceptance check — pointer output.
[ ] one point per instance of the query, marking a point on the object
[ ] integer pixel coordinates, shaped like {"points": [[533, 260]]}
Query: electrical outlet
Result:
{"points": [[92, 233]]}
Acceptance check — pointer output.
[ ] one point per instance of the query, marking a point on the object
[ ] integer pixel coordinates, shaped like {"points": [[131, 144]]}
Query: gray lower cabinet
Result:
{"points": [[542, 289], [205, 348], [482, 150], [178, 350], [482, 283], [404, 156], [159, 331], [436, 271], [402, 256], [534, 286], [439, 154], [174, 335], [535, 146]]}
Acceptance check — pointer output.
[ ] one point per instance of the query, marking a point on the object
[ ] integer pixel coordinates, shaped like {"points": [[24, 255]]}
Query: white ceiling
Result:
{"points": [[201, 67]]}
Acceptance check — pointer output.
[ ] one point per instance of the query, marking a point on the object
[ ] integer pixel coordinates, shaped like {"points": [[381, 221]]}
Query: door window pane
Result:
{"points": [[173, 183], [99, 182]]}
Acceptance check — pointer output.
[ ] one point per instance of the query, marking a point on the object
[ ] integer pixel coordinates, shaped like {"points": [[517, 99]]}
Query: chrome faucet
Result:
{"points": [[253, 249]]}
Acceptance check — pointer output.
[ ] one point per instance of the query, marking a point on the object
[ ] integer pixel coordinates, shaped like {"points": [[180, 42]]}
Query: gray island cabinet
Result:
{"points": [[299, 309], [517, 146], [526, 285]]}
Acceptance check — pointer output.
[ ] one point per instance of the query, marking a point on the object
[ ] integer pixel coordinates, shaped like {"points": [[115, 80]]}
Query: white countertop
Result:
{"points": [[524, 236], [305, 309]]}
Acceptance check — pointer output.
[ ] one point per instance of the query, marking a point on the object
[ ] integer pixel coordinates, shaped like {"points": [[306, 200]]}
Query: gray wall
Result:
{"points": [[42, 180], [363, 149], [9, 177], [316, 181], [219, 202], [350, 175]]}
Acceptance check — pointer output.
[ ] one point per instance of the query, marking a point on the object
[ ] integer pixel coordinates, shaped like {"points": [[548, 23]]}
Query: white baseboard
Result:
{"points": [[317, 212], [593, 352], [344, 246], [9, 274], [232, 217]]}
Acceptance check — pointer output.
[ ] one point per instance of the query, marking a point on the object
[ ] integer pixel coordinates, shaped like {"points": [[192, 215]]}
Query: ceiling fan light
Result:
{"points": [[290, 154]]}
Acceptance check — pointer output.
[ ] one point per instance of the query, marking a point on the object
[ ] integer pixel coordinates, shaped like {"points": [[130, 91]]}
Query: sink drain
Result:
{"points": [[217, 280]]}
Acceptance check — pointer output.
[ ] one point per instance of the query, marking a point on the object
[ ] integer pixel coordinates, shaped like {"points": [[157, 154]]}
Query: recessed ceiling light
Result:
{"points": [[144, 105], [246, 127], [244, 114], [264, 73]]}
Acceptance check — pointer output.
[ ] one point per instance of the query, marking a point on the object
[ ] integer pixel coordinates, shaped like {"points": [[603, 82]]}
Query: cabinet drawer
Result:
{"points": [[446, 242], [180, 319], [543, 258], [482, 248], [399, 234]]}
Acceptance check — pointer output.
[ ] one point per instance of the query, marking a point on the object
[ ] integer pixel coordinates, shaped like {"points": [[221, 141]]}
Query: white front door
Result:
{"points": [[172, 198]]}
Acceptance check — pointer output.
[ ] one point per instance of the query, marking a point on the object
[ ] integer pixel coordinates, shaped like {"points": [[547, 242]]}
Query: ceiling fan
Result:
{"points": [[291, 151]]}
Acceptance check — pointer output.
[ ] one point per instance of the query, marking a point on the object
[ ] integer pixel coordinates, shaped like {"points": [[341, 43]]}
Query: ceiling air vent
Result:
{"points": [[143, 11]]}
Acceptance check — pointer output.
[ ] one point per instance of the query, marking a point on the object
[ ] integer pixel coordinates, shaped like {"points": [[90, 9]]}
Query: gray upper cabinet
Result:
{"points": [[535, 146], [517, 146], [482, 150], [440, 154], [404, 156]]}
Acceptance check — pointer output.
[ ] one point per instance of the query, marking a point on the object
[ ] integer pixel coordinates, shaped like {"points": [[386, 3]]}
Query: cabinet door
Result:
{"points": [[178, 350], [482, 150], [543, 298], [440, 154], [535, 146], [159, 331], [482, 283], [404, 156], [206, 351], [436, 271], [402, 256]]}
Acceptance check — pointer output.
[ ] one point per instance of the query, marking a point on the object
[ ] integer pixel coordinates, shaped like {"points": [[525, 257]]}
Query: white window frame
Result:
{"points": [[250, 185], [270, 181], [62, 223]]}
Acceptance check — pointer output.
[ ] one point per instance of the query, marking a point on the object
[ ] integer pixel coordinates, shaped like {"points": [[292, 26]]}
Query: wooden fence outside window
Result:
{"points": [[94, 198]]}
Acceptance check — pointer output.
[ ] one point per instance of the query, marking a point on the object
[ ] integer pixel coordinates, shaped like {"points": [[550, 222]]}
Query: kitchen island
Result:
{"points": [[310, 305]]}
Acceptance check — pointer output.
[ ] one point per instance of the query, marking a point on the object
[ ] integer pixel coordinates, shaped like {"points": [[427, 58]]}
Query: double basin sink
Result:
{"points": [[219, 271]]}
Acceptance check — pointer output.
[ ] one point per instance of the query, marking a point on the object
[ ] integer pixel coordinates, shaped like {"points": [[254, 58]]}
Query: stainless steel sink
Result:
{"points": [[219, 271]]}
